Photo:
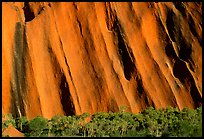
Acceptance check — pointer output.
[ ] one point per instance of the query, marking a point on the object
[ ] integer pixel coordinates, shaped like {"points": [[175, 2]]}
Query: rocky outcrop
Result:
{"points": [[75, 57], [12, 132]]}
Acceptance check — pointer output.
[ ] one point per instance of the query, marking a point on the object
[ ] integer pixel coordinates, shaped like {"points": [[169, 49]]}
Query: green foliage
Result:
{"points": [[37, 127], [169, 122], [21, 123]]}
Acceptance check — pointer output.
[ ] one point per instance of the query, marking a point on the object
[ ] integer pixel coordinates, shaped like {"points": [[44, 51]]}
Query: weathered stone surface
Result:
{"points": [[12, 132], [75, 57]]}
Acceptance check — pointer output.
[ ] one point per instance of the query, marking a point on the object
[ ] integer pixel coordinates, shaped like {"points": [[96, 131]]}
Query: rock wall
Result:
{"points": [[75, 57]]}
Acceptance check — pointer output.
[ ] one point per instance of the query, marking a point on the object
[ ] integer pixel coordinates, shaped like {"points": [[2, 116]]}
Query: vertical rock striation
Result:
{"points": [[75, 57]]}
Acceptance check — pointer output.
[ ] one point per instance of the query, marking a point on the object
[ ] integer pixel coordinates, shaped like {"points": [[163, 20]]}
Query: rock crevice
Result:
{"points": [[75, 57]]}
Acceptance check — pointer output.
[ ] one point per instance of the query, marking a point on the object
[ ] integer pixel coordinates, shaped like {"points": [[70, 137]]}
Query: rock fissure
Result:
{"points": [[126, 59], [152, 57]]}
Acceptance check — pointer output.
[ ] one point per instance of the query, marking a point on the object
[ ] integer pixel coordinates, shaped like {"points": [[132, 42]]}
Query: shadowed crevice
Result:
{"points": [[80, 27], [185, 49], [65, 96], [193, 30], [142, 93], [180, 71], [169, 50], [113, 106], [181, 7], [171, 25], [125, 52], [66, 99], [29, 14], [110, 16], [18, 79], [140, 86]]}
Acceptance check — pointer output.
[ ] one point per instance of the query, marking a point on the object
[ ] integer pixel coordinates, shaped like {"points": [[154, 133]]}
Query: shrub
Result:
{"points": [[169, 122]]}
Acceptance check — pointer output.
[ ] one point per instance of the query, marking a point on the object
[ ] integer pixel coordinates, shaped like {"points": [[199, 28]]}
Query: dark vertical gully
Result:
{"points": [[29, 14], [18, 81], [65, 95], [66, 98], [192, 26], [180, 69], [65, 92], [181, 72], [125, 52]]}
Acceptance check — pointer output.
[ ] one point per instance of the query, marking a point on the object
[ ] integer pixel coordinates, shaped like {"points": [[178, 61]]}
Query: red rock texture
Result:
{"points": [[12, 132], [75, 57]]}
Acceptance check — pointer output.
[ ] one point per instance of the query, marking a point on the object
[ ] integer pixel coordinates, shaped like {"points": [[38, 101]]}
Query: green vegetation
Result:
{"points": [[169, 122]]}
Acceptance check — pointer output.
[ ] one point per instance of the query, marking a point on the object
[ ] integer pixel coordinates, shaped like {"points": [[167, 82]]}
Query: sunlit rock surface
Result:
{"points": [[75, 57]]}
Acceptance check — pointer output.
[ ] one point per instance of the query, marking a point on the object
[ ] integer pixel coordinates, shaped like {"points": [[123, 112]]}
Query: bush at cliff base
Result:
{"points": [[169, 122]]}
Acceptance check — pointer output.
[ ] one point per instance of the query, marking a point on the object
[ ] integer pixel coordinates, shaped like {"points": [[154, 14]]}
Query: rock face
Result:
{"points": [[75, 57]]}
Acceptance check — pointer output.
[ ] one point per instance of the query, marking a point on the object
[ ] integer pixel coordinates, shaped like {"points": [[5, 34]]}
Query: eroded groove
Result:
{"points": [[149, 102], [63, 93], [113, 106], [77, 19], [191, 65], [124, 52], [142, 93], [193, 30], [110, 16], [171, 26], [185, 49], [66, 98], [133, 17], [180, 71], [89, 48], [94, 63], [18, 81], [29, 13], [80, 27], [140, 87], [180, 7], [169, 50], [68, 68], [75, 5]]}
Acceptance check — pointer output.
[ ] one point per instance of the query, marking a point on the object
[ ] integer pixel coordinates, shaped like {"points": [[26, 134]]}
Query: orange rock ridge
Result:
{"points": [[75, 57]]}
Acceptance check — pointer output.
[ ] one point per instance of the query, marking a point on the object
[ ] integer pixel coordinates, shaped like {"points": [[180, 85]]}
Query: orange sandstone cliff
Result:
{"points": [[75, 57]]}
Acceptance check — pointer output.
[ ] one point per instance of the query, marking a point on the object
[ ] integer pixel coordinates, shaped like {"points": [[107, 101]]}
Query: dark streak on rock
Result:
{"points": [[185, 49], [125, 52], [113, 107], [80, 27], [29, 14], [93, 61], [110, 16], [171, 26], [181, 7], [180, 71], [75, 5], [18, 81], [169, 50], [66, 98], [133, 16], [193, 29]]}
